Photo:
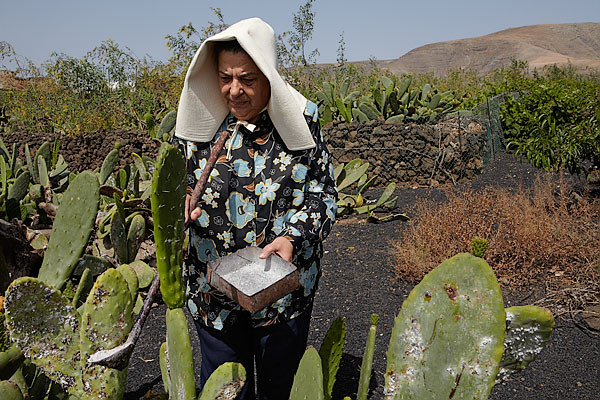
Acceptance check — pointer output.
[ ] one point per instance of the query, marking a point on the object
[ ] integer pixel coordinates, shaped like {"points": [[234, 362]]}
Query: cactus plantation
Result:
{"points": [[457, 306]]}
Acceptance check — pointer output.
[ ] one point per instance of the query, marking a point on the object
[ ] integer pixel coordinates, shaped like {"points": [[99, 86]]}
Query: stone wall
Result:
{"points": [[412, 154]]}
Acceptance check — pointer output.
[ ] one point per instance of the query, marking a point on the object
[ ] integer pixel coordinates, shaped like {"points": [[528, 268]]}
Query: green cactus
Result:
{"points": [[226, 382], [106, 321], [43, 172], [308, 381], [528, 329], [458, 299], [108, 165], [51, 333], [168, 195], [83, 288], [367, 361], [10, 391], [167, 125], [164, 367], [145, 273], [150, 124], [45, 326], [118, 237], [71, 229], [10, 361], [132, 280], [19, 188], [180, 356], [331, 354], [96, 265], [479, 246], [135, 236]]}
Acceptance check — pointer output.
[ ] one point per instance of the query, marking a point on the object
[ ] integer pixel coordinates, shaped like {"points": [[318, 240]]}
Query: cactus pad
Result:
{"points": [[308, 382], [181, 358], [10, 391], [168, 195], [42, 322], [447, 340], [225, 383], [145, 273], [164, 367], [528, 328], [106, 321], [71, 229], [331, 353]]}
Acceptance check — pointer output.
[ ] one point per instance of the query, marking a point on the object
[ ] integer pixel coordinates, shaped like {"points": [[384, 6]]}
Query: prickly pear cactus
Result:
{"points": [[479, 246], [144, 272], [135, 236], [45, 326], [331, 353], [164, 367], [106, 321], [225, 383], [308, 382], [181, 359], [10, 361], [168, 195], [367, 361], [528, 328], [10, 391], [71, 229], [447, 340], [131, 278]]}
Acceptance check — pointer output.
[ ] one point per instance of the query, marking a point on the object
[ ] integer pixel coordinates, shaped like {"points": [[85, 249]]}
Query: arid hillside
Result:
{"points": [[539, 45]]}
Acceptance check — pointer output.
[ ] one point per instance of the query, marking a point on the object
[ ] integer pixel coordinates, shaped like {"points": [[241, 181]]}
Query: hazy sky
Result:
{"points": [[372, 28]]}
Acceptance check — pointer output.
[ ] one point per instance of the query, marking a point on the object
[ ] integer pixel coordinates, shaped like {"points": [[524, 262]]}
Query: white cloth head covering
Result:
{"points": [[202, 108]]}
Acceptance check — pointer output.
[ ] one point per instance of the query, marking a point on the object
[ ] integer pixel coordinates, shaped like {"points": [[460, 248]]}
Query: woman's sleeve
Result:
{"points": [[313, 222]]}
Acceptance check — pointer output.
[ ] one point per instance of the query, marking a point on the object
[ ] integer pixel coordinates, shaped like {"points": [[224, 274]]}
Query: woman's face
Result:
{"points": [[243, 86]]}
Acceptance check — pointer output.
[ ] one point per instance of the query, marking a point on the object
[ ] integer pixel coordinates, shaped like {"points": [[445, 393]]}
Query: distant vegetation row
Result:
{"points": [[552, 116]]}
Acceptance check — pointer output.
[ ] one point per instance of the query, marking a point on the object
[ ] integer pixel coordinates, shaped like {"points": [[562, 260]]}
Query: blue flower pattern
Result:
{"points": [[262, 192]]}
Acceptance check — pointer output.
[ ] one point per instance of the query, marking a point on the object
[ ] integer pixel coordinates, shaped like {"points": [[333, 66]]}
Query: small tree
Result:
{"points": [[183, 46], [293, 54]]}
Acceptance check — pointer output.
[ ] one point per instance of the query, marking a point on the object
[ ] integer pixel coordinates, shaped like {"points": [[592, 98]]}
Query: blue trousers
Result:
{"points": [[276, 350]]}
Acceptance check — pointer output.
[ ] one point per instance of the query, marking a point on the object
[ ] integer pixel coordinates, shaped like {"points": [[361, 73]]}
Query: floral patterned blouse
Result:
{"points": [[258, 193]]}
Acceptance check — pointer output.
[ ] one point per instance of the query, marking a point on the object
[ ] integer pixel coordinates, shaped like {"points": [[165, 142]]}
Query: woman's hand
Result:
{"points": [[196, 212], [280, 246]]}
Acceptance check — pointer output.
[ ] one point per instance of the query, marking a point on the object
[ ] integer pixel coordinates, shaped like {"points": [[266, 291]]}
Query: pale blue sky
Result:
{"points": [[372, 28]]}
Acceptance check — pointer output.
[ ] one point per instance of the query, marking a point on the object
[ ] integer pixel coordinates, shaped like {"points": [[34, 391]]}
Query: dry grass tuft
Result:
{"points": [[545, 235]]}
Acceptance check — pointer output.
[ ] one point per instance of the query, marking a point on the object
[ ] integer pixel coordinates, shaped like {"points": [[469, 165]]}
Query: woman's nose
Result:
{"points": [[236, 88]]}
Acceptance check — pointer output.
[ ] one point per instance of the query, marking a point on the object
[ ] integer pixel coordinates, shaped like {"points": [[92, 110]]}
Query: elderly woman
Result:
{"points": [[272, 187]]}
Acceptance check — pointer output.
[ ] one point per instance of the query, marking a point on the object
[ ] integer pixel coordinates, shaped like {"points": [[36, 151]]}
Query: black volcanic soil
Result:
{"points": [[358, 279]]}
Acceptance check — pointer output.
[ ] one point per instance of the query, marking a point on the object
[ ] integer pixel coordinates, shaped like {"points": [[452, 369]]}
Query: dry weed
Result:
{"points": [[546, 234]]}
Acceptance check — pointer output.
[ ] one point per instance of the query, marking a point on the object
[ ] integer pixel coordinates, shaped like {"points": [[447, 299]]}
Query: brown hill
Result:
{"points": [[539, 45]]}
